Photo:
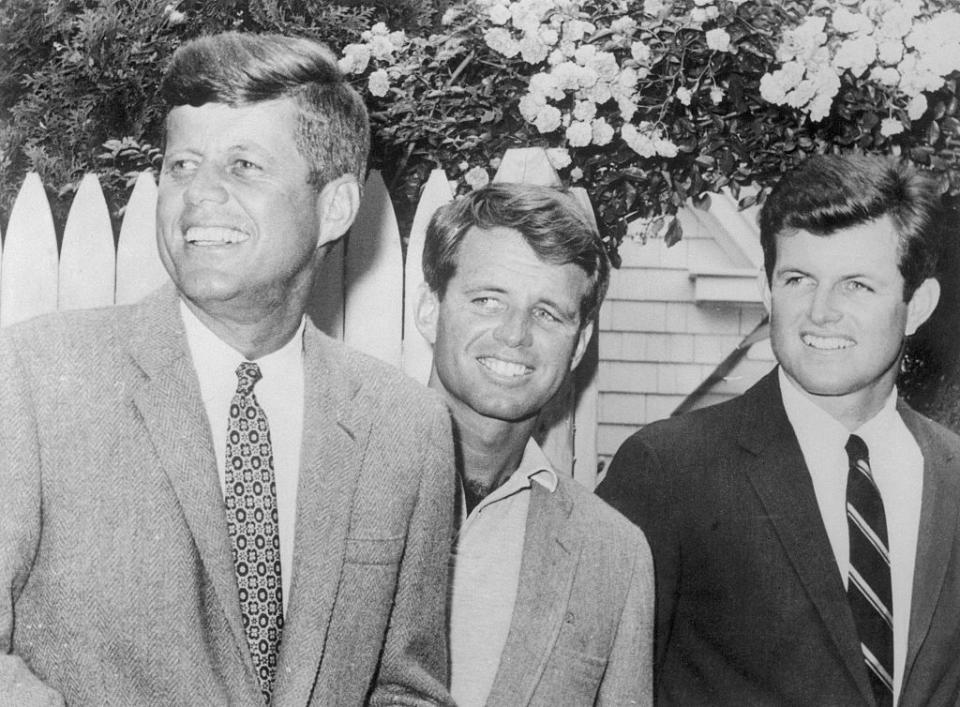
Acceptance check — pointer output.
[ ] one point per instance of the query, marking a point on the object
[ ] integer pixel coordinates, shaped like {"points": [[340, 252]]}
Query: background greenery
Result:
{"points": [[78, 81]]}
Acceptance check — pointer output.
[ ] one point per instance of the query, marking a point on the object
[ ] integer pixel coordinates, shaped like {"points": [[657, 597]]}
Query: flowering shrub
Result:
{"points": [[649, 104]]}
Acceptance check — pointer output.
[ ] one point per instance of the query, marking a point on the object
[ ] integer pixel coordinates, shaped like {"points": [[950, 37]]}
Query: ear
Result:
{"points": [[763, 284], [337, 205], [922, 304], [427, 313], [582, 341]]}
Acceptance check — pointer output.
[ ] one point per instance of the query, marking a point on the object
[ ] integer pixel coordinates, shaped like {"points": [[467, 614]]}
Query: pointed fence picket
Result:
{"points": [[365, 293]]}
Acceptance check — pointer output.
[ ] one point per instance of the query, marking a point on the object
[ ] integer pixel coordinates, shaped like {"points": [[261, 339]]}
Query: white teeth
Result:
{"points": [[827, 343], [504, 368], [214, 235]]}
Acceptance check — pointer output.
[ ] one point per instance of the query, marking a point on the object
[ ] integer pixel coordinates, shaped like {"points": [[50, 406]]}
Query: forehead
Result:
{"points": [[267, 125], [873, 246], [501, 257]]}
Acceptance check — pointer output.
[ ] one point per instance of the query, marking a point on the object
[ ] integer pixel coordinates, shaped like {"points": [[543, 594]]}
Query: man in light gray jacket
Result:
{"points": [[552, 596]]}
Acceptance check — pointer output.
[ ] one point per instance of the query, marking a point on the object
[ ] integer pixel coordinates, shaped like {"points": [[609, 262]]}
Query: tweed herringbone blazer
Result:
{"points": [[117, 573], [582, 626]]}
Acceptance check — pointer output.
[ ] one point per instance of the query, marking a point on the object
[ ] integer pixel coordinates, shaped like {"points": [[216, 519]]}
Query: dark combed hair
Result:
{"points": [[241, 69], [550, 220], [827, 193]]}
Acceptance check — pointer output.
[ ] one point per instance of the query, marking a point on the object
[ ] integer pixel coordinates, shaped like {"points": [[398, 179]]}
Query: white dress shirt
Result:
{"points": [[486, 575], [280, 394], [896, 464]]}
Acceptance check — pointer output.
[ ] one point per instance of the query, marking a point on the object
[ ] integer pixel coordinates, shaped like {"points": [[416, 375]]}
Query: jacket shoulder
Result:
{"points": [[600, 522], [380, 384]]}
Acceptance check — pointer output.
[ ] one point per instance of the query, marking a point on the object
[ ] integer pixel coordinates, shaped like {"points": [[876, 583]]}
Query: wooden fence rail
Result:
{"points": [[365, 293]]}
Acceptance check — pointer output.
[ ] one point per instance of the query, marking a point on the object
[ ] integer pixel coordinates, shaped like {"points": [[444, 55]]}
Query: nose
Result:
{"points": [[513, 329], [823, 306], [206, 184]]}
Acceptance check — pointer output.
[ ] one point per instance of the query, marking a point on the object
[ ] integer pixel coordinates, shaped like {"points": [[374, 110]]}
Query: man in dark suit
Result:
{"points": [[805, 535], [205, 501], [552, 596]]}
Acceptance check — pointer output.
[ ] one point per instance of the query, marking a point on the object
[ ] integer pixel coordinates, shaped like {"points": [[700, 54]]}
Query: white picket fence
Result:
{"points": [[365, 296]]}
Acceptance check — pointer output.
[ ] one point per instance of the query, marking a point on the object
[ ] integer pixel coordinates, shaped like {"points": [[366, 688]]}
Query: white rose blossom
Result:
{"points": [[548, 119], [718, 40], [602, 132], [500, 41], [476, 177], [579, 133], [654, 7], [499, 15], [640, 52], [532, 50], [684, 95], [584, 110], [890, 126], [378, 83]]}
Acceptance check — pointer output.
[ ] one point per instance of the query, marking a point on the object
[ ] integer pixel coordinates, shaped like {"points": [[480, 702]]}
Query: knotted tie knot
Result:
{"points": [[857, 450], [248, 373]]}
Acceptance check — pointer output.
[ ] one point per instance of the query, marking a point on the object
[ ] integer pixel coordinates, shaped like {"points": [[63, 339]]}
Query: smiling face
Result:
{"points": [[507, 330], [238, 225], [837, 316]]}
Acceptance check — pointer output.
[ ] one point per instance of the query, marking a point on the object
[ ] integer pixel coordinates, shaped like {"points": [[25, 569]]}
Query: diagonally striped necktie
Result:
{"points": [[869, 586]]}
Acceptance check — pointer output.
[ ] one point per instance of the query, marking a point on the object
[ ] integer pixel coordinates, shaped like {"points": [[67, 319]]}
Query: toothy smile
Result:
{"points": [[827, 343], [504, 368], [214, 235]]}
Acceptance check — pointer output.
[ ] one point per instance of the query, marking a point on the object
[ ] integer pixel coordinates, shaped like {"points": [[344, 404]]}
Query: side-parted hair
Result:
{"points": [[827, 193], [239, 69], [550, 220]]}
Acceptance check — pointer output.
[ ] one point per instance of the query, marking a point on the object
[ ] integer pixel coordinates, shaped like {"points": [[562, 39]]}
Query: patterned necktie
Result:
{"points": [[251, 501], [868, 589]]}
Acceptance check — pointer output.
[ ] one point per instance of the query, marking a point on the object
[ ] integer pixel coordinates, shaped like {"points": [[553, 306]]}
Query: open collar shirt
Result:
{"points": [[280, 394], [896, 464], [486, 575]]}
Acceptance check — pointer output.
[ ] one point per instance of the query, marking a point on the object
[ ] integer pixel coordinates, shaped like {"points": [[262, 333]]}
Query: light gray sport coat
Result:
{"points": [[582, 626], [117, 576]]}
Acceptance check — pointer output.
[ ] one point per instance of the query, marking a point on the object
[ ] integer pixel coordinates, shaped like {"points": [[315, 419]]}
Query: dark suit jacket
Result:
{"points": [[582, 626], [117, 577], [751, 606]]}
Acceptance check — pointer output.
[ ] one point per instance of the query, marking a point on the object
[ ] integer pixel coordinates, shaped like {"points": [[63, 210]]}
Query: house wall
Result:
{"points": [[657, 343]]}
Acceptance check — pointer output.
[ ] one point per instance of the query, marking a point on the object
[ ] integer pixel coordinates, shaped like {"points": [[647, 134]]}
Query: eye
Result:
{"points": [[795, 280], [487, 305], [180, 166], [858, 286], [243, 166], [546, 316]]}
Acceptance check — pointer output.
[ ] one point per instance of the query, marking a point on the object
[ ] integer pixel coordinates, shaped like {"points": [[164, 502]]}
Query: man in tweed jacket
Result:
{"points": [[552, 593], [121, 545]]}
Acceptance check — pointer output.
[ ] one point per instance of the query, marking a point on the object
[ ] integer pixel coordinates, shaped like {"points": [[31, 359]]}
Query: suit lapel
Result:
{"points": [[168, 399], [780, 477], [335, 431], [551, 551], [940, 508]]}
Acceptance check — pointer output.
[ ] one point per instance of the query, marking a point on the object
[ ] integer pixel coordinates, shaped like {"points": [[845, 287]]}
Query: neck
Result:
{"points": [[489, 451], [252, 334], [854, 409]]}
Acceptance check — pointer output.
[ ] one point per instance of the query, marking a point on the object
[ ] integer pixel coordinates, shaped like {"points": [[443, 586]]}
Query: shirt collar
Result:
{"points": [[534, 466]]}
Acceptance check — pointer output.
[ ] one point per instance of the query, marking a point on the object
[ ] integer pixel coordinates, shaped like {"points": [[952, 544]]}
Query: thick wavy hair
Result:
{"points": [[550, 220], [827, 193], [239, 69]]}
